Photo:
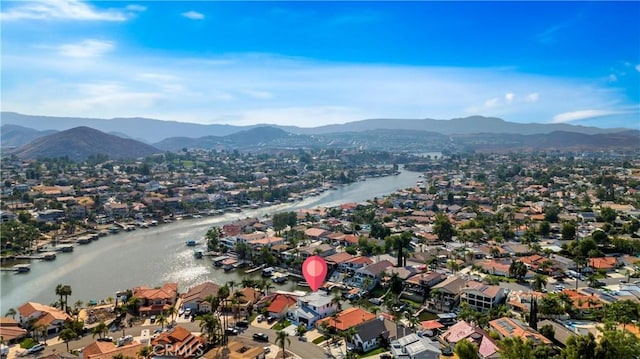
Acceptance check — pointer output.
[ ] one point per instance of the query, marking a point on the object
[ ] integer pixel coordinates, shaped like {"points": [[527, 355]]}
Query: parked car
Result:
{"points": [[105, 339], [260, 318], [271, 319], [152, 319], [267, 350], [231, 331], [376, 301], [36, 348], [261, 337], [242, 324]]}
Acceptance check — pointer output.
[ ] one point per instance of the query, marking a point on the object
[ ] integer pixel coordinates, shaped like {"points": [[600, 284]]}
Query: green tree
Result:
{"points": [[616, 344], [282, 340], [517, 269], [579, 347], [515, 348], [443, 228], [67, 335], [63, 291], [539, 282], [568, 231], [11, 313], [465, 349], [210, 326], [100, 329], [608, 215]]}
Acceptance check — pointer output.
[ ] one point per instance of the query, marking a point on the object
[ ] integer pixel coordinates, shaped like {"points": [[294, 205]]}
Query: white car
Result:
{"points": [[267, 350]]}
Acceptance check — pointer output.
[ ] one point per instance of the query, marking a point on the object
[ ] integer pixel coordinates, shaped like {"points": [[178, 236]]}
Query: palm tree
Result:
{"points": [[231, 284], [172, 311], [336, 300], [349, 334], [265, 285], [11, 313], [162, 320], [282, 339], [145, 352], [539, 282], [214, 302], [100, 329], [210, 325], [237, 296], [67, 335]]}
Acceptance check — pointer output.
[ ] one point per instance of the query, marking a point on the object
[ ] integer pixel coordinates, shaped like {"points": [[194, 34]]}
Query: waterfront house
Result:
{"points": [[46, 316], [156, 300], [413, 346], [354, 264], [195, 298], [265, 242], [372, 273], [279, 304], [335, 260], [312, 307]]}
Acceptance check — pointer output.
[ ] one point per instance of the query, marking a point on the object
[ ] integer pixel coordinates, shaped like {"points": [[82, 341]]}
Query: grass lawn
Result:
{"points": [[373, 352], [319, 339], [281, 325]]}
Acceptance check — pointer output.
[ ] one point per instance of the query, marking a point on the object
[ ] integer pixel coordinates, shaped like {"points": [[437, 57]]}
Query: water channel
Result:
{"points": [[157, 255]]}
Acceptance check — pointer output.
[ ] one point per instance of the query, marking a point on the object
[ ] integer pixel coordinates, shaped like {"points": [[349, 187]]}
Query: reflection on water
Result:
{"points": [[159, 254]]}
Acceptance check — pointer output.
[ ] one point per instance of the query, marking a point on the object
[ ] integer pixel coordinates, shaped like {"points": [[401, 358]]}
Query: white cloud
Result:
{"points": [[532, 97], [193, 15], [582, 115], [61, 10], [638, 67], [253, 88], [508, 97], [86, 48]]}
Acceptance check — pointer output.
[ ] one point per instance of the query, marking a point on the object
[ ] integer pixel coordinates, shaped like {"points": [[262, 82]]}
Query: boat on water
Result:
{"points": [[279, 278], [268, 272], [21, 268], [198, 253], [229, 264], [191, 243]]}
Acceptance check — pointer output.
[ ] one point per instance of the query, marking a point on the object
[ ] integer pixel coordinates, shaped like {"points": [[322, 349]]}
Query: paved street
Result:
{"points": [[299, 348]]}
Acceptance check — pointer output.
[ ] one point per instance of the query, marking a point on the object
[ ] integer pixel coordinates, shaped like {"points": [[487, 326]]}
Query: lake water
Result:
{"points": [[157, 255]]}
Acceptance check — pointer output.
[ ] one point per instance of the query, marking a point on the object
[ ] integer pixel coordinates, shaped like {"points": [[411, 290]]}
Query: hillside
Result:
{"points": [[81, 142], [154, 131], [15, 136]]}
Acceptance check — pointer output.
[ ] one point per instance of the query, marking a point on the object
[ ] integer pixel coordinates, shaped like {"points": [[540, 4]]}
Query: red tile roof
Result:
{"points": [[347, 318]]}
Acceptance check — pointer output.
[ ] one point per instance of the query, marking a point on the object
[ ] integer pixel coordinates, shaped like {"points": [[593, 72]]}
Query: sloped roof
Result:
{"points": [[347, 318], [200, 292]]}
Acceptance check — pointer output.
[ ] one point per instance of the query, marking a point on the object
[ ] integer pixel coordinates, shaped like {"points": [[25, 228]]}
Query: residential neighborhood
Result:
{"points": [[493, 254]]}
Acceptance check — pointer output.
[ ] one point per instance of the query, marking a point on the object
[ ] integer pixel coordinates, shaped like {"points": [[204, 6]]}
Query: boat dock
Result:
{"points": [[251, 270], [18, 268]]}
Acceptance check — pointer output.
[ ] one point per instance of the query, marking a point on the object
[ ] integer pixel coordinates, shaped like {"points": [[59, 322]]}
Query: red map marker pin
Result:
{"points": [[314, 269]]}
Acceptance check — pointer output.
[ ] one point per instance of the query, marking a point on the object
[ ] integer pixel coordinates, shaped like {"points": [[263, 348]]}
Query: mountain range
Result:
{"points": [[125, 142], [152, 131]]}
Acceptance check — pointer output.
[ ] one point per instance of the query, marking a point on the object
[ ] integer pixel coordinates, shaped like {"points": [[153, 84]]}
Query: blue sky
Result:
{"points": [[312, 63]]}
